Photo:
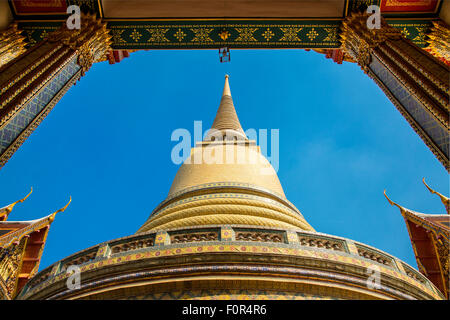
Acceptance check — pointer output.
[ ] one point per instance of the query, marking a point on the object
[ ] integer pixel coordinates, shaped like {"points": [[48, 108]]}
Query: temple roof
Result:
{"points": [[21, 247], [429, 234], [436, 223], [16, 230]]}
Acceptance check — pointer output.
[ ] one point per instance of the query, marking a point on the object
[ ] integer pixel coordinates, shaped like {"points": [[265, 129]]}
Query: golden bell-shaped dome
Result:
{"points": [[227, 163], [226, 180]]}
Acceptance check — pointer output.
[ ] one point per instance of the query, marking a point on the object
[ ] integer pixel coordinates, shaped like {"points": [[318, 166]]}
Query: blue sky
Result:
{"points": [[107, 144]]}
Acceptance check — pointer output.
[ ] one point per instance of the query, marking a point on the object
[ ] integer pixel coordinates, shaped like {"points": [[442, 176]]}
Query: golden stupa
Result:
{"points": [[227, 231]]}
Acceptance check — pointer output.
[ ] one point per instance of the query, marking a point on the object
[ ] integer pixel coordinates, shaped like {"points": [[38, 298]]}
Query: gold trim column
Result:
{"points": [[33, 82], [413, 79]]}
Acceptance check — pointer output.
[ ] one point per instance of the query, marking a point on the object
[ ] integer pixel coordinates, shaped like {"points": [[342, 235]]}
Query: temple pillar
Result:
{"points": [[33, 82], [415, 81]]}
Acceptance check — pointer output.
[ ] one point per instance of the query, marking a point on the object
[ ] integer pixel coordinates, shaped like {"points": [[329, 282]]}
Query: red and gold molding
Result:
{"points": [[409, 6], [23, 7]]}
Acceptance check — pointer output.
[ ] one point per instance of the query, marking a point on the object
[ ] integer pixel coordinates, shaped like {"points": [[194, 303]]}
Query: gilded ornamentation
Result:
{"points": [[91, 42], [415, 31], [135, 35], [332, 35], [439, 40], [158, 34], [405, 32], [5, 211], [358, 40], [312, 34], [202, 35], [224, 35], [17, 235], [420, 35], [117, 36], [246, 34], [179, 35], [290, 34], [10, 260], [12, 44], [268, 34], [445, 200]]}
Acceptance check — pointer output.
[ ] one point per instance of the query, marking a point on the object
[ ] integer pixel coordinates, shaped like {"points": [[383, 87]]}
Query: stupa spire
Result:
{"points": [[226, 87], [226, 117]]}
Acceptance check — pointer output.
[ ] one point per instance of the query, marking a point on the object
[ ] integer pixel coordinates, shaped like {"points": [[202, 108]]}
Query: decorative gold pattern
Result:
{"points": [[158, 34], [180, 35], [246, 34], [312, 34], [10, 261], [135, 35], [12, 44], [290, 34], [91, 42], [439, 40], [268, 34], [202, 35]]}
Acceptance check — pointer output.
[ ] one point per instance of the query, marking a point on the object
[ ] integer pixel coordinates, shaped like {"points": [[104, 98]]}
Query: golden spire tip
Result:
{"points": [[390, 201], [52, 216], [226, 87]]}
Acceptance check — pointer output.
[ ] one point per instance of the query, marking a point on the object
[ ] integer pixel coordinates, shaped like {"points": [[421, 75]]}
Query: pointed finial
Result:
{"points": [[392, 203], [226, 118], [52, 216], [226, 87], [5, 211], [444, 199], [22, 200]]}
